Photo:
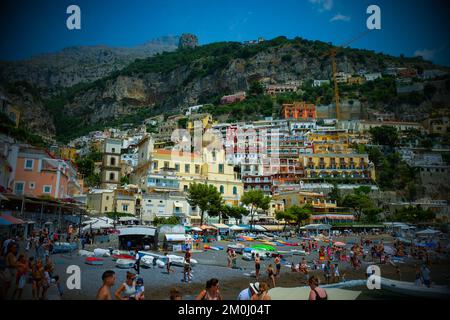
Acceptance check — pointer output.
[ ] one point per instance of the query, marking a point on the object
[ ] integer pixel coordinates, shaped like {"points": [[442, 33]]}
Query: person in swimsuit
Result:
{"points": [[21, 276], [263, 293], [175, 294], [316, 292], [128, 288], [278, 265], [211, 291], [37, 275], [108, 278], [11, 264], [271, 275], [257, 266]]}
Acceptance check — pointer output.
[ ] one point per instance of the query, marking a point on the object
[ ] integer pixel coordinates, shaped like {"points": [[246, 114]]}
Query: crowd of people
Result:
{"points": [[33, 267]]}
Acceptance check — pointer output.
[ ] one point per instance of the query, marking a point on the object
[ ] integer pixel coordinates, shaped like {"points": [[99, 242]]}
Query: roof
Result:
{"points": [[175, 237], [220, 226]]}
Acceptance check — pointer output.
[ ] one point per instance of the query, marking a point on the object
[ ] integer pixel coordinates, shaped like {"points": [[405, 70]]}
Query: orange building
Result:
{"points": [[298, 110]]}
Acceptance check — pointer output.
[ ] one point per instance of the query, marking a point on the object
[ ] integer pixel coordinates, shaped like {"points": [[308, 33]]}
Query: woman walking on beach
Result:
{"points": [[263, 293], [316, 292], [21, 276], [128, 288], [211, 292], [257, 266], [271, 274]]}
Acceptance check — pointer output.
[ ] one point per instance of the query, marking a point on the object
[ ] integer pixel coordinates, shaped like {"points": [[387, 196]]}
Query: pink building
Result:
{"points": [[37, 173], [239, 96]]}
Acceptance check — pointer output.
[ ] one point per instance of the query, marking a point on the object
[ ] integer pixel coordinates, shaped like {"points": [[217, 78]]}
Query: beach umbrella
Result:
{"points": [[339, 244], [263, 247]]}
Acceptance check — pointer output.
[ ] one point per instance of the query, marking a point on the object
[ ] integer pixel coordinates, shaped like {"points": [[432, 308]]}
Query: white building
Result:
{"points": [[319, 83], [372, 76]]}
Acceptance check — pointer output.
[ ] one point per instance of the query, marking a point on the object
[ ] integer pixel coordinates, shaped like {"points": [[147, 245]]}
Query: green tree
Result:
{"points": [[162, 220], [300, 213], [236, 212], [205, 197], [256, 88], [286, 216], [124, 180], [385, 135], [256, 200], [335, 194], [359, 201], [413, 215]]}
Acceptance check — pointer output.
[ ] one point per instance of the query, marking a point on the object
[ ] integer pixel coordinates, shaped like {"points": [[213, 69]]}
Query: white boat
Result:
{"points": [[124, 263], [101, 252], [238, 248], [410, 289], [147, 261], [247, 256], [85, 253], [296, 252], [160, 263], [302, 293], [179, 261]]}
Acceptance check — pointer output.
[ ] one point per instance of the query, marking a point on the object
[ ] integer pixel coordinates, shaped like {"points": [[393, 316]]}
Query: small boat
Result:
{"points": [[160, 263], [410, 289], [238, 248], [64, 247], [247, 256], [122, 256], [120, 252], [296, 252], [94, 261], [147, 261], [101, 252], [125, 263], [179, 261], [85, 253]]}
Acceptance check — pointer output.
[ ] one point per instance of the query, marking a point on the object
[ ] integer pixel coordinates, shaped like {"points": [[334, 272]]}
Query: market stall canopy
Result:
{"points": [[237, 228], [126, 219], [257, 228], [7, 220], [99, 224], [137, 231], [221, 226], [316, 227], [196, 229], [205, 227], [273, 227]]}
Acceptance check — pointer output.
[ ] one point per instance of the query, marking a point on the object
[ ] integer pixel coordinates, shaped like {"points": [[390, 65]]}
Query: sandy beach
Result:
{"points": [[212, 264]]}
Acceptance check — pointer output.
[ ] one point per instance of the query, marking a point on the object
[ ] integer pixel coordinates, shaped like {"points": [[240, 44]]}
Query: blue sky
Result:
{"points": [[30, 27]]}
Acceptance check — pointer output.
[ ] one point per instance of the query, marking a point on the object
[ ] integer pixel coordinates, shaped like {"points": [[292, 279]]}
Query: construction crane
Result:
{"points": [[332, 53]]}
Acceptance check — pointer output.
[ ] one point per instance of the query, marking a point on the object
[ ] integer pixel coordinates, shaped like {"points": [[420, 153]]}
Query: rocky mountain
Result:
{"points": [[81, 64], [171, 81]]}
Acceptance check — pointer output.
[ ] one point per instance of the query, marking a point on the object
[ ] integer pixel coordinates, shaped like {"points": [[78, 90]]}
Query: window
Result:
{"points": [[106, 208], [19, 187], [107, 198], [113, 161], [166, 164], [197, 169], [112, 176], [185, 188], [113, 150], [155, 165], [47, 189], [234, 190], [177, 167], [187, 168], [220, 168], [222, 189], [29, 164], [124, 207], [31, 185]]}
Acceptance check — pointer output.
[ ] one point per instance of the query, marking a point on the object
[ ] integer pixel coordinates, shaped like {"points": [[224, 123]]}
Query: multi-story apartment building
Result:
{"points": [[338, 165], [298, 110]]}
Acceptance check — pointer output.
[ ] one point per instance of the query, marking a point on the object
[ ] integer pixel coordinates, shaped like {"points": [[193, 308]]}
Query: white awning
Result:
{"points": [[175, 237], [237, 228], [138, 231], [220, 226], [257, 228], [178, 205]]}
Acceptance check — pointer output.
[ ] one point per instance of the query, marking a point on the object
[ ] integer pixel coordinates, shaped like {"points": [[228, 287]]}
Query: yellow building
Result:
{"points": [[330, 140], [338, 165], [102, 201], [290, 198], [210, 168], [202, 121], [68, 153], [355, 80]]}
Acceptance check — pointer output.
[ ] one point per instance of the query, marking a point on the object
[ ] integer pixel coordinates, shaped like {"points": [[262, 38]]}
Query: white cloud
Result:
{"points": [[427, 54], [340, 17], [324, 5]]}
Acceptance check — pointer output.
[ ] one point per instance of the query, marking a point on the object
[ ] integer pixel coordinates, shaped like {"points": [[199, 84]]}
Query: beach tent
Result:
{"points": [[237, 228], [8, 220], [99, 224]]}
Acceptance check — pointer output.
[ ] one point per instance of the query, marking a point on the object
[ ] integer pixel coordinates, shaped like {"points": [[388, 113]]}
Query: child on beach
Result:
{"points": [[139, 295]]}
